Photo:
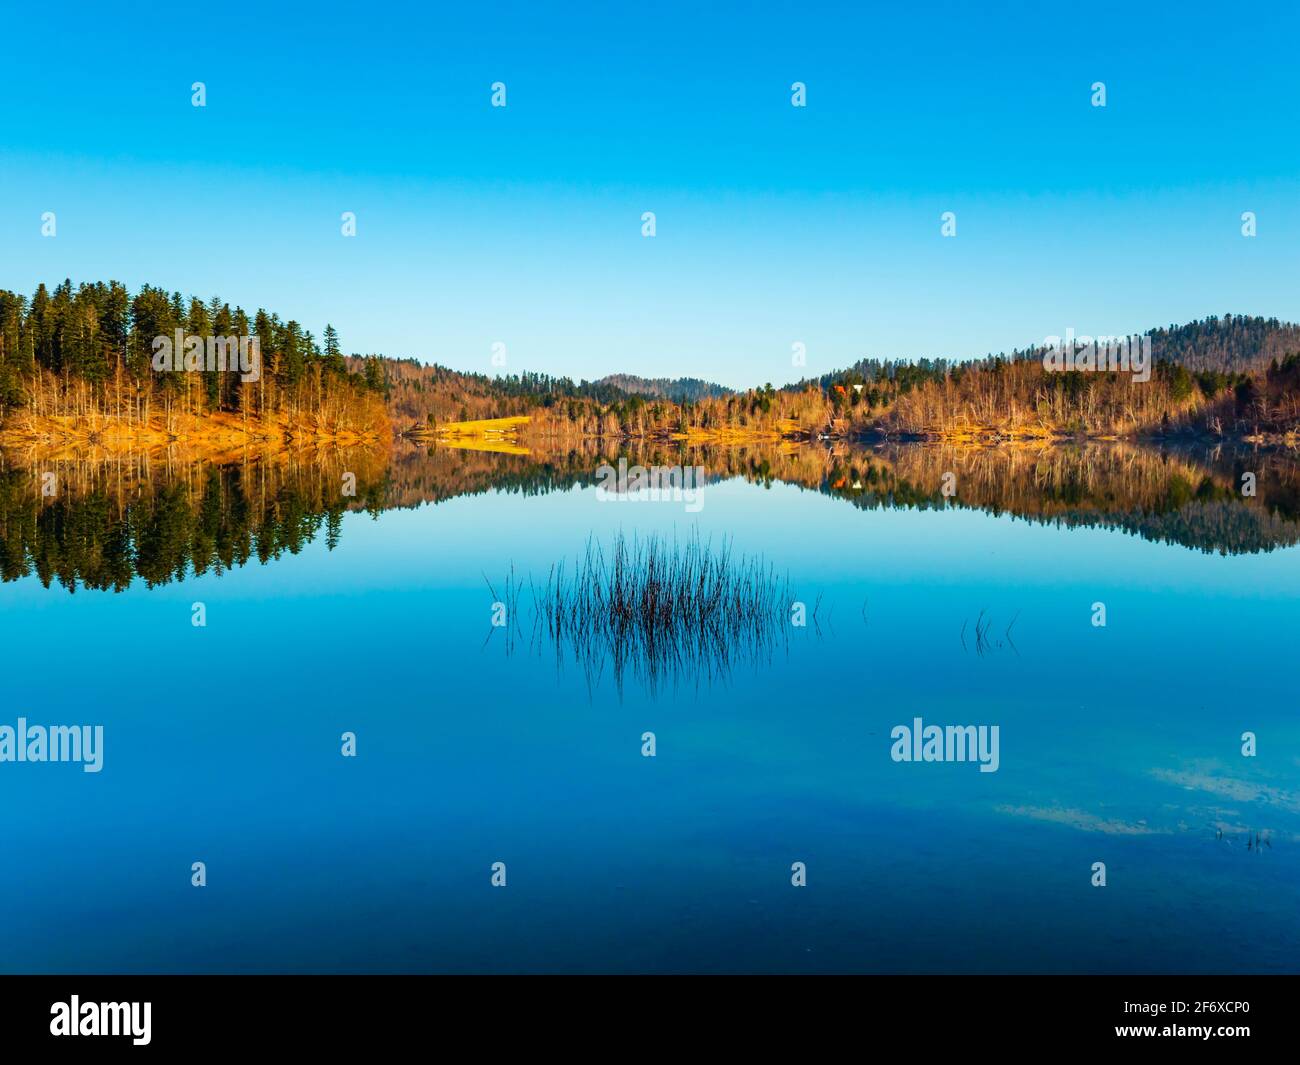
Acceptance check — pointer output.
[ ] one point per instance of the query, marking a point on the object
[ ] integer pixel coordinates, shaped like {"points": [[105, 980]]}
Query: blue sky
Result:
{"points": [[775, 224]]}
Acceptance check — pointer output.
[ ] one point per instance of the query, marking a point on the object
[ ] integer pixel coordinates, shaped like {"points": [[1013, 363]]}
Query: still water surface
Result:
{"points": [[1118, 744]]}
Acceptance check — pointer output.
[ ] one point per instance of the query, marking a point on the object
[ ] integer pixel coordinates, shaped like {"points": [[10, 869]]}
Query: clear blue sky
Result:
{"points": [[775, 224]]}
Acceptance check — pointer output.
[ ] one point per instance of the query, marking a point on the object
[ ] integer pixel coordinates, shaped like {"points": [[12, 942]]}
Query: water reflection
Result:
{"points": [[1120, 744], [100, 523]]}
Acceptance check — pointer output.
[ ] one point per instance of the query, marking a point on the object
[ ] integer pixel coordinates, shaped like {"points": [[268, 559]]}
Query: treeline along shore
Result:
{"points": [[95, 364]]}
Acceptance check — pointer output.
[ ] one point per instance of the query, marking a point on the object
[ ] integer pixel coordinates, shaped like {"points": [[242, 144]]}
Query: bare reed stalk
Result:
{"points": [[661, 607]]}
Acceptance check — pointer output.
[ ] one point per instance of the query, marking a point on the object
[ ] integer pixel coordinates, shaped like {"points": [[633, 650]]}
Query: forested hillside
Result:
{"points": [[677, 389], [84, 358], [1231, 344], [91, 353]]}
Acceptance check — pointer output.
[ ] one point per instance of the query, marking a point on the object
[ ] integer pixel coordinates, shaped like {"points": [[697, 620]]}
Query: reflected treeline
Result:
{"points": [[102, 524], [433, 474], [1228, 501], [1191, 496]]}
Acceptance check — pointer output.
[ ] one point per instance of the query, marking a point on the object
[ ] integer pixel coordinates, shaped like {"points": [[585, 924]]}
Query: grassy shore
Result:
{"points": [[210, 432]]}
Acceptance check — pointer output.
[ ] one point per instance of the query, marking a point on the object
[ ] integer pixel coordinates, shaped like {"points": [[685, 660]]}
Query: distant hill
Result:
{"points": [[418, 392], [1232, 344], [677, 389], [1235, 343]]}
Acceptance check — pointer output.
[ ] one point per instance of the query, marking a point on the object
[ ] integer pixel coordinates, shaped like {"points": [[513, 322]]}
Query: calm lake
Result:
{"points": [[476, 744]]}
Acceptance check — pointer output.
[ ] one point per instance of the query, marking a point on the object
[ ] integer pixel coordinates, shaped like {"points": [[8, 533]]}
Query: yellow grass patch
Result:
{"points": [[486, 427], [212, 432]]}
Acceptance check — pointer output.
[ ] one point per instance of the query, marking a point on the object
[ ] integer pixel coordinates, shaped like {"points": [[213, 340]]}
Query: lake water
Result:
{"points": [[476, 744]]}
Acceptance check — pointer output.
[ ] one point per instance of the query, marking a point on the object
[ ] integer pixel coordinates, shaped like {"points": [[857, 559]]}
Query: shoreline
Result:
{"points": [[225, 432], [519, 435], [212, 432]]}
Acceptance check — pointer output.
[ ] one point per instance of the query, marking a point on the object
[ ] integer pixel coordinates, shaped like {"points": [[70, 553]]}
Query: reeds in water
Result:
{"points": [[662, 607]]}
